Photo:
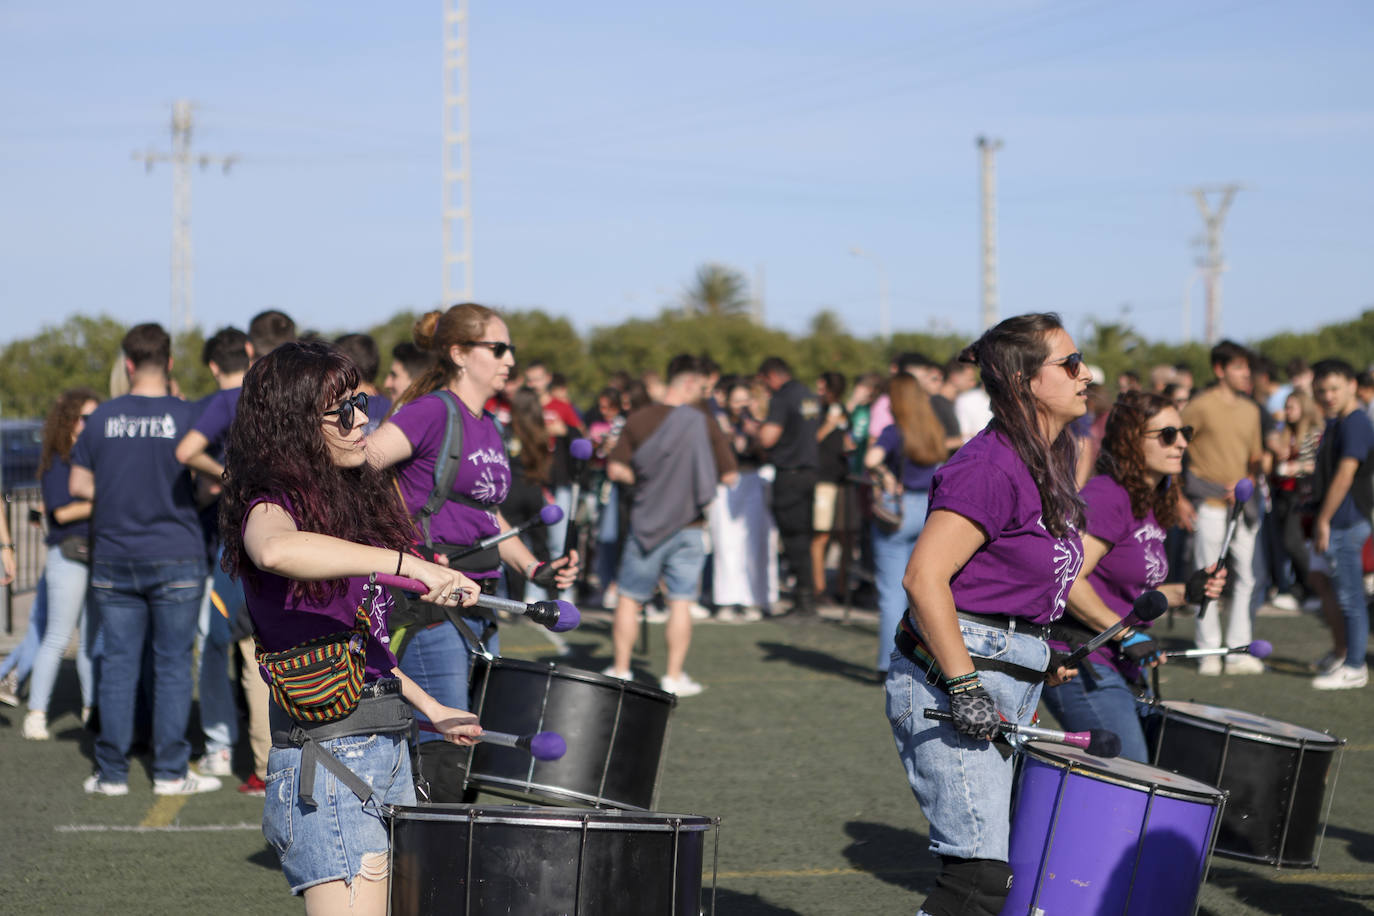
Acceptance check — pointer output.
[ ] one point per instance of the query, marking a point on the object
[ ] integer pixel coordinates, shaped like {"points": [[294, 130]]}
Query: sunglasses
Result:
{"points": [[498, 348], [1169, 434], [1070, 364], [345, 410]]}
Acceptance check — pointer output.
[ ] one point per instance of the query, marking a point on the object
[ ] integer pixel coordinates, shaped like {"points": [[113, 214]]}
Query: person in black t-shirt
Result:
{"points": [[789, 435]]}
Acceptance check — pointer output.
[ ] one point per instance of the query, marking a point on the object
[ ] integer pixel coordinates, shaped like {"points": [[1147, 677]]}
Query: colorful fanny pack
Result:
{"points": [[320, 680]]}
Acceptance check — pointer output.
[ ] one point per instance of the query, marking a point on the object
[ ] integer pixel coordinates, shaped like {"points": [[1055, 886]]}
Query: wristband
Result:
{"points": [[963, 683], [399, 557], [6, 546]]}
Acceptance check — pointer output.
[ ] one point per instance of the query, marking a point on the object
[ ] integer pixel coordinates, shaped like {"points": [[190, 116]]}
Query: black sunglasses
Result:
{"points": [[1070, 364], [345, 410], [1169, 434], [498, 348]]}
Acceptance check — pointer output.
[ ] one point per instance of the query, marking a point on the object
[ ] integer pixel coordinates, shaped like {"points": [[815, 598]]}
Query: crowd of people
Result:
{"points": [[1006, 503]]}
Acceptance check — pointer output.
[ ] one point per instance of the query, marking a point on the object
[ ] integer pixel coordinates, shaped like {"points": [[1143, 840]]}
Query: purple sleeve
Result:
{"points": [[890, 439], [979, 491], [1108, 509], [423, 422]]}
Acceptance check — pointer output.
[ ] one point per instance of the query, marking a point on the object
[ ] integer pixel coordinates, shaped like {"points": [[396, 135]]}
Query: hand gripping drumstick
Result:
{"points": [[1245, 488], [1147, 607], [540, 745], [1260, 648], [558, 616], [581, 451], [1096, 741], [549, 515]]}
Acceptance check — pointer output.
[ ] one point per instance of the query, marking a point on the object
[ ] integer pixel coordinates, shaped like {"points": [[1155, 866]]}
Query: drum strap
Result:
{"points": [[385, 714], [913, 649]]}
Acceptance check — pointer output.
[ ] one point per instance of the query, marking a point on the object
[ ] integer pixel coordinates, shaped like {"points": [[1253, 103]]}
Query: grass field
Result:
{"points": [[788, 746]]}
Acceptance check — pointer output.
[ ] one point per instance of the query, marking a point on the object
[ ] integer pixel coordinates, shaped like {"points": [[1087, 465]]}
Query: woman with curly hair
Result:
{"points": [[1130, 503], [305, 521]]}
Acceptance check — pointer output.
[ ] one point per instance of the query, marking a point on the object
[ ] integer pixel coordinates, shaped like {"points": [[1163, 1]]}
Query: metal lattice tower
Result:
{"points": [[1213, 263], [987, 149], [456, 212], [181, 157]]}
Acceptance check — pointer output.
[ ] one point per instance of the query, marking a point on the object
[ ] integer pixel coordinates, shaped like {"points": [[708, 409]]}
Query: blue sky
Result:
{"points": [[617, 146]]}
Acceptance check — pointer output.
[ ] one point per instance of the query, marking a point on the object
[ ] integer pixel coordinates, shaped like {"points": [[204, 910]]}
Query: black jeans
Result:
{"points": [[794, 497]]}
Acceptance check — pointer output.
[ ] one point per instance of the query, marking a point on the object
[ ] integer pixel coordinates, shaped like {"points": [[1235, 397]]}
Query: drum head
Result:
{"points": [[1259, 728], [1123, 772]]}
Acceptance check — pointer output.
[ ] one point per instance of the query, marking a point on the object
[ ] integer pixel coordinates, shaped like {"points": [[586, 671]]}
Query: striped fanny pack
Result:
{"points": [[320, 680]]}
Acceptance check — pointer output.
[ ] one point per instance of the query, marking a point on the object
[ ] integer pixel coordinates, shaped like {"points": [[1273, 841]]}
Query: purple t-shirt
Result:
{"points": [[484, 475], [1022, 570], [1135, 562], [283, 621], [912, 476], [216, 418]]}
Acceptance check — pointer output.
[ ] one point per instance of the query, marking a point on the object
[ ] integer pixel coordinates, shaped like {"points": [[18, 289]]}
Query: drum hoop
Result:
{"points": [[580, 674], [1214, 796], [662, 823], [1314, 740]]}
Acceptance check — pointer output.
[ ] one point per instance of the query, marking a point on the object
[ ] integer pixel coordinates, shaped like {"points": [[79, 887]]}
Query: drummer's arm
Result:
{"points": [[456, 725], [514, 552], [945, 545]]}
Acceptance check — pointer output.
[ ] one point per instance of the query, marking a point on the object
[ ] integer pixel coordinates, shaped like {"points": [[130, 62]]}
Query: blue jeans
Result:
{"points": [[963, 786], [20, 661], [439, 659], [1100, 698], [1347, 569], [66, 582], [219, 715], [890, 555], [131, 597]]}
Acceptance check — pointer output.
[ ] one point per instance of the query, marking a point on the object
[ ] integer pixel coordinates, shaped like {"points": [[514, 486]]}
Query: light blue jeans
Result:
{"points": [[1100, 698], [1343, 554], [890, 555], [20, 661], [66, 595], [962, 785]]}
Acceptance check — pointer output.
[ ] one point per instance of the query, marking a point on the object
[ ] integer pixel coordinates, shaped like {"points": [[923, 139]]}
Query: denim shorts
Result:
{"points": [[962, 785], [677, 561], [328, 842]]}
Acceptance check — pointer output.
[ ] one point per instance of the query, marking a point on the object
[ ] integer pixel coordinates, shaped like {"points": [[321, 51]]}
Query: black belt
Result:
{"points": [[380, 688], [906, 644], [1005, 622]]}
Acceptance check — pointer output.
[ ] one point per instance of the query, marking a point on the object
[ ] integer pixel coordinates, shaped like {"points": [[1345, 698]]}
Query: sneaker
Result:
{"points": [[610, 598], [726, 614], [253, 786], [9, 689], [35, 726], [1243, 664], [1285, 602], [1328, 663], [190, 784], [1210, 666], [656, 615], [698, 612], [216, 763], [681, 686], [1343, 678], [610, 671], [750, 614], [94, 786]]}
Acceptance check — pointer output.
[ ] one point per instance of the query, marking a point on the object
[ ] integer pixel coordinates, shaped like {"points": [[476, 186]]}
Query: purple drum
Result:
{"points": [[1107, 837]]}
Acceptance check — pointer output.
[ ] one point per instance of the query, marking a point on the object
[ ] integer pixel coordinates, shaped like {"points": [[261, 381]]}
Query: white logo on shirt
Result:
{"points": [[1068, 560], [126, 427], [1156, 560]]}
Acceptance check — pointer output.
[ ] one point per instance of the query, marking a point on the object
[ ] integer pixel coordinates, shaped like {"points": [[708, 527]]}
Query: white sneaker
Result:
{"points": [[1285, 602], [1343, 678], [698, 612], [9, 689], [609, 671], [610, 598], [1210, 666], [1328, 663], [681, 686], [656, 615], [190, 784], [217, 763], [726, 614], [750, 614], [1243, 664], [35, 726], [94, 786]]}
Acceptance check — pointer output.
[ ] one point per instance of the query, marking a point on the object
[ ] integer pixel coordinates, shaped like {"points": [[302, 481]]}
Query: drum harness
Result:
{"points": [[915, 651], [1076, 634]]}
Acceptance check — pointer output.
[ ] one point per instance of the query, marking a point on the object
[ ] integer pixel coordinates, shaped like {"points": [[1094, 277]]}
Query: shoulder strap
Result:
{"points": [[446, 465]]}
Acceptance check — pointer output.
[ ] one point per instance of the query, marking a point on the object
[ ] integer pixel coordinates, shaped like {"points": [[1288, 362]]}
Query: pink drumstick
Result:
{"points": [[558, 616], [1096, 741]]}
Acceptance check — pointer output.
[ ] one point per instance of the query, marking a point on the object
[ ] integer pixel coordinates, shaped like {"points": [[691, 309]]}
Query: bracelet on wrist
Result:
{"points": [[963, 682], [6, 546]]}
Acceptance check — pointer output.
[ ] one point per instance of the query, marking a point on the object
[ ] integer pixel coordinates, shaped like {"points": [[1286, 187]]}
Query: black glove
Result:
{"points": [[1057, 660], [544, 575], [1195, 592], [974, 712], [1140, 649]]}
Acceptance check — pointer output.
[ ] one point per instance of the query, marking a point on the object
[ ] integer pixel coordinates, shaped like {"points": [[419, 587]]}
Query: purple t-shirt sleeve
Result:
{"points": [[1108, 509]]}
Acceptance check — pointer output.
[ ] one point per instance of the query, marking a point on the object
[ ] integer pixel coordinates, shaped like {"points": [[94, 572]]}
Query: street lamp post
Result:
{"points": [[884, 305]]}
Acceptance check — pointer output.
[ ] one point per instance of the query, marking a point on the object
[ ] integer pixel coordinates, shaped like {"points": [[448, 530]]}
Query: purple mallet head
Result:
{"points": [[581, 449], [1245, 488], [568, 617], [548, 746], [1261, 648], [551, 515]]}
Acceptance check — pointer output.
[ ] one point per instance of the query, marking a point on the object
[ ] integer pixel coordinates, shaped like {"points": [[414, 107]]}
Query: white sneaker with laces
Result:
{"points": [[681, 686], [1209, 666], [1343, 678], [35, 726], [216, 763], [750, 614], [9, 689], [94, 786], [190, 784], [1243, 664], [609, 671]]}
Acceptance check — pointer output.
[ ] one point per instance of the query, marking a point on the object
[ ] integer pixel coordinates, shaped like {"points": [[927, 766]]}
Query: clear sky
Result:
{"points": [[618, 145]]}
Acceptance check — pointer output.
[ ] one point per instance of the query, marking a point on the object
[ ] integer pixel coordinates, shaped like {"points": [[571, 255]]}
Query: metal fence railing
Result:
{"points": [[24, 512]]}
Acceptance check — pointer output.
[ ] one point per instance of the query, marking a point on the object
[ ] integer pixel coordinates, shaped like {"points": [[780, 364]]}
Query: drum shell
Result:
{"points": [[1275, 775], [480, 860], [616, 733], [1135, 842]]}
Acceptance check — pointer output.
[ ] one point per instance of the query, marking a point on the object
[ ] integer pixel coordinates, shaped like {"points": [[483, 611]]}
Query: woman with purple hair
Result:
{"points": [[305, 521], [991, 569]]}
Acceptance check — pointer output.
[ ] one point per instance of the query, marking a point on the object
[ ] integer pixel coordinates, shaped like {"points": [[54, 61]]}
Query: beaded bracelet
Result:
{"points": [[963, 683]]}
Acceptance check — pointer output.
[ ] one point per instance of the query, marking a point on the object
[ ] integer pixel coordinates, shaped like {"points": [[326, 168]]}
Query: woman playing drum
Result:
{"points": [[1130, 504], [304, 522], [992, 567]]}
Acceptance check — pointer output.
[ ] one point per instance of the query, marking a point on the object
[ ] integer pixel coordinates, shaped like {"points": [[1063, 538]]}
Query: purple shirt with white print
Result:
{"points": [[1022, 570]]}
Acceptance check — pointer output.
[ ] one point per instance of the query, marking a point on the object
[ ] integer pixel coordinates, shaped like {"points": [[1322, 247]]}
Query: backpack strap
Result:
{"points": [[446, 465]]}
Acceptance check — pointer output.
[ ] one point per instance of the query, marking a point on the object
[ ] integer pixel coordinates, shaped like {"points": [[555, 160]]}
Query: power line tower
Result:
{"points": [[1213, 263], [987, 150], [181, 157], [456, 206]]}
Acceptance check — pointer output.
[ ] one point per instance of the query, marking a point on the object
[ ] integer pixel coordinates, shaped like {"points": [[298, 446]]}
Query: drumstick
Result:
{"points": [[1260, 648], [1096, 741], [1245, 488], [548, 515], [580, 450], [1146, 607], [540, 745], [558, 616]]}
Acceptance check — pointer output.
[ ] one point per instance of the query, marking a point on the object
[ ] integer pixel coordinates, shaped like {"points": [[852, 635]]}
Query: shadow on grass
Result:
{"points": [[1255, 889], [266, 858], [733, 903], [1359, 845], [817, 660], [892, 854]]}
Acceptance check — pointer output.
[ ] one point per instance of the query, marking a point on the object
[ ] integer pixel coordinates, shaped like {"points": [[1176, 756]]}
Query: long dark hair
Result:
{"points": [[1009, 356], [1123, 455], [59, 423], [276, 449]]}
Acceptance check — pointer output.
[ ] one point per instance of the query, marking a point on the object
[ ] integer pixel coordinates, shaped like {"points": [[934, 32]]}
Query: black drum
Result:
{"points": [[472, 860], [1276, 775], [616, 733]]}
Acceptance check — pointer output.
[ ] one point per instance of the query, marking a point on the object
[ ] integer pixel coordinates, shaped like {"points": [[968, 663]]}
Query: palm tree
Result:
{"points": [[718, 290]]}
